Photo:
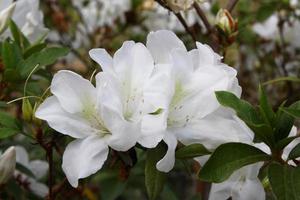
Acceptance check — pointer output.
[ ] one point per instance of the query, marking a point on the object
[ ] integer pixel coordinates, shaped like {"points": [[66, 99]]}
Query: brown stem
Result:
{"points": [[231, 4], [203, 17], [180, 18], [184, 24]]}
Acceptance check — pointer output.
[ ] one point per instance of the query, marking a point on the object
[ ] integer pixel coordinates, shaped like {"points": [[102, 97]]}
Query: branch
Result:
{"points": [[180, 18], [231, 4], [203, 17]]}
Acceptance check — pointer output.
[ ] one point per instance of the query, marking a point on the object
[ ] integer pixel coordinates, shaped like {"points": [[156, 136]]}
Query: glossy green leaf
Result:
{"points": [[154, 179], [228, 158], [9, 121], [285, 181], [265, 107], [191, 151], [295, 153]]}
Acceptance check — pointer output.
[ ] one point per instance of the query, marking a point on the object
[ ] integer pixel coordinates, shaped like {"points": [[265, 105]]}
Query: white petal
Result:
{"points": [[38, 188], [22, 156], [73, 91], [39, 168], [168, 161], [84, 157], [251, 189], [62, 121], [102, 58], [161, 43]]}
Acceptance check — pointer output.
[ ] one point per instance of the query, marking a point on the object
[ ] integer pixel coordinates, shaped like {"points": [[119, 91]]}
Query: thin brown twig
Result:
{"points": [[231, 4], [203, 17], [180, 18]]}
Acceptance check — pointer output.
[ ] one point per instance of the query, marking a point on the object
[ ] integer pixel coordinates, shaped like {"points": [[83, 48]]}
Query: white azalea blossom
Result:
{"points": [[108, 115], [38, 168], [28, 17], [191, 112], [7, 164], [243, 184]]}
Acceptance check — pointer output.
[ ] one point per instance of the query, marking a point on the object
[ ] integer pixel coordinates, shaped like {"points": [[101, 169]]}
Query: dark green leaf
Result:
{"points": [[154, 179], [191, 151], [265, 107], [7, 132], [285, 181], [295, 153], [293, 112], [24, 170], [10, 50], [46, 57], [283, 125], [18, 36], [284, 142], [244, 110], [8, 121], [230, 157], [34, 49], [248, 114]]}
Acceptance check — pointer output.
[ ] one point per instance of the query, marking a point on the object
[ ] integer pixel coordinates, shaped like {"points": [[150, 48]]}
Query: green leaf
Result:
{"points": [[24, 170], [293, 112], [228, 158], [285, 181], [7, 132], [284, 124], [18, 36], [46, 57], [154, 179], [289, 78], [11, 54], [295, 153], [34, 49], [8, 121], [265, 107], [191, 151], [248, 114], [284, 142], [244, 110]]}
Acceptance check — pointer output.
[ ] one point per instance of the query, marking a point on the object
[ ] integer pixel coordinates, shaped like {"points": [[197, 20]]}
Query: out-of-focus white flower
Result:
{"points": [[191, 112], [7, 165], [5, 15], [99, 13], [28, 18], [269, 30], [243, 184], [38, 168]]}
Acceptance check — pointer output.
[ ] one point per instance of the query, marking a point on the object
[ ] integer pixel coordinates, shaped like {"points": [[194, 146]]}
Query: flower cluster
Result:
{"points": [[144, 94]]}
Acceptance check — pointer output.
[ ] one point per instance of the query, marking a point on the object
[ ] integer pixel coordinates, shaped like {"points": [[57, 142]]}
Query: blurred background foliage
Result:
{"points": [[75, 27]]}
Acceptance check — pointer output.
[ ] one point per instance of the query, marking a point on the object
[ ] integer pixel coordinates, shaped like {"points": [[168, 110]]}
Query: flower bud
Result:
{"points": [[225, 22], [7, 165], [179, 5], [5, 16], [26, 110]]}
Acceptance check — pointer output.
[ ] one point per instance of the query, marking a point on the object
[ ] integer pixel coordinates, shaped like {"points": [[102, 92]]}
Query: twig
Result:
{"points": [[184, 24], [203, 17], [231, 4], [180, 18]]}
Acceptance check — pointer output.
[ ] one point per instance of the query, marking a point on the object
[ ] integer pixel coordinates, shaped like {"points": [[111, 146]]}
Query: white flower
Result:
{"points": [[7, 165], [94, 116], [38, 168], [243, 184], [6, 12], [191, 112], [269, 30], [28, 18]]}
